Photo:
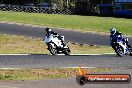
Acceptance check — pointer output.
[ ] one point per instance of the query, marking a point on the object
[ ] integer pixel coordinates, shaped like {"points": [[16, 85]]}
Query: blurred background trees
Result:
{"points": [[78, 6]]}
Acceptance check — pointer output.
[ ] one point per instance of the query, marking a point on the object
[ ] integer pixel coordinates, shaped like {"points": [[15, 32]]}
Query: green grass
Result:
{"points": [[75, 22], [24, 45], [32, 74]]}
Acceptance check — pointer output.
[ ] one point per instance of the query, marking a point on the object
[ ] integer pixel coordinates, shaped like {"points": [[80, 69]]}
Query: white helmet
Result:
{"points": [[48, 30], [113, 31]]}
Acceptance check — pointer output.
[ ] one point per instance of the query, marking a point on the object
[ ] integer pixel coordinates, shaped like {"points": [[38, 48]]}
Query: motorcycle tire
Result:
{"points": [[67, 51], [52, 49], [119, 50], [130, 52]]}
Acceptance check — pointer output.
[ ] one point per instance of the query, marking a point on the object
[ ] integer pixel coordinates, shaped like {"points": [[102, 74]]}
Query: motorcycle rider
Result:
{"points": [[49, 32], [114, 34]]}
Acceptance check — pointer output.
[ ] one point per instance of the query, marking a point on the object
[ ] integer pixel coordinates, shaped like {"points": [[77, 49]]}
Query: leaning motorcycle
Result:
{"points": [[55, 45], [121, 47]]}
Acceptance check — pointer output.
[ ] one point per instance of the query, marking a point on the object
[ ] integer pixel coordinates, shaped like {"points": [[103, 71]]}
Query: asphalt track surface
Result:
{"points": [[70, 36], [47, 61]]}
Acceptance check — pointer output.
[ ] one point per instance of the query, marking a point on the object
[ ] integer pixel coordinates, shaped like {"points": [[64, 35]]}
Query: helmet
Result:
{"points": [[112, 31], [48, 30]]}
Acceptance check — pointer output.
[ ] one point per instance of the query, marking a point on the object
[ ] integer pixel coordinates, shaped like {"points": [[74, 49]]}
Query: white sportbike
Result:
{"points": [[55, 45]]}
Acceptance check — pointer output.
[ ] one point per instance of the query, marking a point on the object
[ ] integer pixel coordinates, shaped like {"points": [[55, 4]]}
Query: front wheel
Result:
{"points": [[119, 50], [52, 49]]}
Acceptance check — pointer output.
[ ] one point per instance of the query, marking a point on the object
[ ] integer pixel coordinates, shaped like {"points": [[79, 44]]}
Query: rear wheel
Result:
{"points": [[119, 50], [67, 51], [52, 49], [130, 51]]}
